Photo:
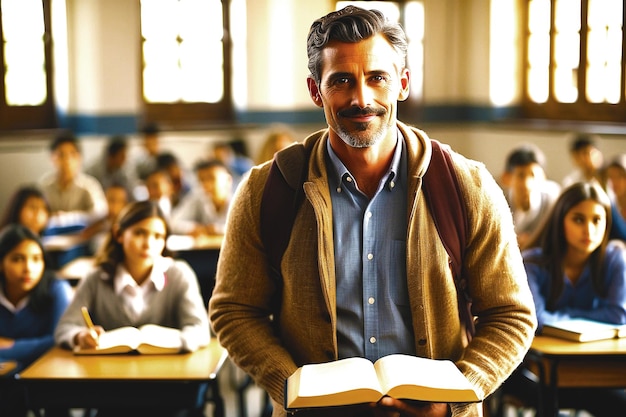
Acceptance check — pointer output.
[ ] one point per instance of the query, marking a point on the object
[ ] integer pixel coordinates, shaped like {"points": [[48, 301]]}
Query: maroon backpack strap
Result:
{"points": [[281, 201], [443, 196]]}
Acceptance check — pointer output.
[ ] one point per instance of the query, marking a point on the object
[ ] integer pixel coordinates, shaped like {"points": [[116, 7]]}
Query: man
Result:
{"points": [[529, 193], [365, 273]]}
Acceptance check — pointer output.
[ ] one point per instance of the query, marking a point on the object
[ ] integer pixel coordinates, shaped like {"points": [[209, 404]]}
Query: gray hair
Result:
{"points": [[351, 24]]}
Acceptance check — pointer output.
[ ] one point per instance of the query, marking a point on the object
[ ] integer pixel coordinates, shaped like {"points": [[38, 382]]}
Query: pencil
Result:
{"points": [[87, 317]]}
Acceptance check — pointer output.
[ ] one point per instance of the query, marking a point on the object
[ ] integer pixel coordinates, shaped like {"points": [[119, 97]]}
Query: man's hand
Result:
{"points": [[391, 407], [6, 343]]}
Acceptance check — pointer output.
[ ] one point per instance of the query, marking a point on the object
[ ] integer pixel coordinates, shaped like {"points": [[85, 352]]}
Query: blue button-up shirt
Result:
{"points": [[373, 313]]}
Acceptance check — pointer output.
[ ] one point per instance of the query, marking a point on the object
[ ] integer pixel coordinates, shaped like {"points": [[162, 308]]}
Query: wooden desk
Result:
{"points": [[61, 379], [560, 363]]}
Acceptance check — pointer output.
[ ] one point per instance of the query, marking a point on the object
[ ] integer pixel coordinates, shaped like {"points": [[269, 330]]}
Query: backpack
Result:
{"points": [[281, 201]]}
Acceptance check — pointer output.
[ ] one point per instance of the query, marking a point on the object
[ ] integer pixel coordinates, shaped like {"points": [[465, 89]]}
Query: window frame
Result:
{"points": [[185, 115], [42, 116], [581, 109]]}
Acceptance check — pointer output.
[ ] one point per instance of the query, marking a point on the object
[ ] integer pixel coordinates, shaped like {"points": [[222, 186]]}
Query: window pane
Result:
{"points": [[538, 50], [183, 51], [604, 50], [566, 50], [24, 52]]}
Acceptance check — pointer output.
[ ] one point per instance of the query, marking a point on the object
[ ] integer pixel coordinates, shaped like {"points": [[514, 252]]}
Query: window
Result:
{"points": [[186, 73], [26, 100], [575, 63]]}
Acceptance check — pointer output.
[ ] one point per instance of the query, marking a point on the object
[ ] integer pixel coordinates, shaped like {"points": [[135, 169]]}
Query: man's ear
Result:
{"points": [[405, 78], [314, 92]]}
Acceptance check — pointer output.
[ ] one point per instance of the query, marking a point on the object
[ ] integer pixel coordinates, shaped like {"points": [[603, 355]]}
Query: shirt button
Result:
{"points": [[338, 189], [370, 300], [370, 256], [372, 340], [368, 214], [349, 179], [392, 184]]}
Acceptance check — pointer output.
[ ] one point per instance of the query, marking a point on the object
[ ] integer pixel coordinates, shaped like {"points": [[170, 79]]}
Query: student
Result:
{"points": [[575, 271], [97, 231], [277, 139], [160, 189], [31, 302], [364, 272], [587, 159], [28, 206], [75, 197], [179, 177], [529, 194], [145, 161], [204, 212], [136, 283], [616, 182], [111, 167]]}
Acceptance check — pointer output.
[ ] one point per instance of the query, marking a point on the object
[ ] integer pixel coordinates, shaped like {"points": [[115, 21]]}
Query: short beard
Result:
{"points": [[356, 140]]}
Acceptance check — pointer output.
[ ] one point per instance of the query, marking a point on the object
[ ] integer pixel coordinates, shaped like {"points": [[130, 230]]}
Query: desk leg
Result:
{"points": [[214, 395], [552, 400]]}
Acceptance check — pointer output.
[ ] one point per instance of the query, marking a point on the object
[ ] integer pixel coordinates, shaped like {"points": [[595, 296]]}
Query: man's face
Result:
{"points": [[360, 86]]}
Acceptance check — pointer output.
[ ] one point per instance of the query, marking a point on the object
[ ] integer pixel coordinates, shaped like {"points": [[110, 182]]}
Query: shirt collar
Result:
{"points": [[13, 309], [157, 276], [340, 171]]}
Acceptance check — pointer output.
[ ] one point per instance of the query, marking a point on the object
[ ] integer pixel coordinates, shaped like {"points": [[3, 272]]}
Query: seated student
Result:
{"points": [[144, 161], [587, 159], [97, 231], [160, 189], [575, 271], [75, 197], [277, 139], [136, 283], [31, 302], [181, 183], [238, 163], [204, 211], [529, 194], [111, 167], [28, 206], [616, 182]]}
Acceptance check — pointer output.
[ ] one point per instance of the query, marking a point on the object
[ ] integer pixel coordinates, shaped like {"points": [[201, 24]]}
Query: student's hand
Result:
{"points": [[88, 338], [6, 343], [391, 407]]}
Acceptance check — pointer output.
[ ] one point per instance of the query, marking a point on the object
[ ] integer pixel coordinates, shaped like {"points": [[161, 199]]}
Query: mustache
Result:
{"points": [[358, 111]]}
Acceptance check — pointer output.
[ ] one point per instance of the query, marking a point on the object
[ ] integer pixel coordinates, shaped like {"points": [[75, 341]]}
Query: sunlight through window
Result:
{"points": [[538, 50], [182, 51], [23, 32], [604, 51]]}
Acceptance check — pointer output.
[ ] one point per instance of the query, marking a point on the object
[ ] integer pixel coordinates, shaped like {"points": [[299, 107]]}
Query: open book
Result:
{"points": [[147, 339], [583, 330], [358, 380]]}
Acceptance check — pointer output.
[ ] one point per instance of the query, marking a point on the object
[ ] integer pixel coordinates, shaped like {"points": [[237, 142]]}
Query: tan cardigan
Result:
{"points": [[303, 329]]}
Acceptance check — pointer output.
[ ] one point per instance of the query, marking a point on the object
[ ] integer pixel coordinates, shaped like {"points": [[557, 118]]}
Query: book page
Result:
{"points": [[347, 381], [159, 339], [120, 340], [412, 377]]}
